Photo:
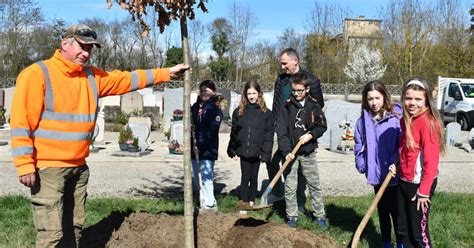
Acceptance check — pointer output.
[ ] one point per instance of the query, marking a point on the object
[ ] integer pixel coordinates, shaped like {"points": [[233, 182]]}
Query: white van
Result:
{"points": [[456, 100]]}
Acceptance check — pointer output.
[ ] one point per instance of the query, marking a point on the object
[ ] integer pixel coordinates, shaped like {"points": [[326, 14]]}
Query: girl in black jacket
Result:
{"points": [[251, 138]]}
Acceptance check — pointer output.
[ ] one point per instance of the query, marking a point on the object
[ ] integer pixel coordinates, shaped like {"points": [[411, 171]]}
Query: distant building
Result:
{"points": [[361, 31]]}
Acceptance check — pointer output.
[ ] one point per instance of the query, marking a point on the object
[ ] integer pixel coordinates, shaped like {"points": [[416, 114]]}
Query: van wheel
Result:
{"points": [[462, 120]]}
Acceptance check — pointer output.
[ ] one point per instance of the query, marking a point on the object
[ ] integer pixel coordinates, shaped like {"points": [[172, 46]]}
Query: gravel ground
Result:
{"points": [[160, 174]]}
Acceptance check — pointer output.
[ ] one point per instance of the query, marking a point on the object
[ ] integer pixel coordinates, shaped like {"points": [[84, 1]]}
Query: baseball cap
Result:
{"points": [[83, 34]]}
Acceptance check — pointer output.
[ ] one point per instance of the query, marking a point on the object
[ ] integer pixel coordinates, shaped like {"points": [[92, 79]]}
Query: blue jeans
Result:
{"points": [[207, 175]]}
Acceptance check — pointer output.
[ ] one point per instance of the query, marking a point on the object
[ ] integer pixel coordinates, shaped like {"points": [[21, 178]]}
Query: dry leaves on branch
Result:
{"points": [[167, 10]]}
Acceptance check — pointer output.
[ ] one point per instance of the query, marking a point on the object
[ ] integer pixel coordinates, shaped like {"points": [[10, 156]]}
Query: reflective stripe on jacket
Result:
{"points": [[54, 109]]}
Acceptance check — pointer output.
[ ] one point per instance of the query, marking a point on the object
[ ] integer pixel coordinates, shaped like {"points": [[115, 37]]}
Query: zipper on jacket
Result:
{"points": [[248, 142]]}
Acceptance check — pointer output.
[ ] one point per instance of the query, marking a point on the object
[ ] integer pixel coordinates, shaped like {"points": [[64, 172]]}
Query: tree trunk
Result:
{"points": [[188, 191]]}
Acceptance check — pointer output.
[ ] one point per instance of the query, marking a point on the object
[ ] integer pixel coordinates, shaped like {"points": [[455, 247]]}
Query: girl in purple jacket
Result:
{"points": [[376, 137]]}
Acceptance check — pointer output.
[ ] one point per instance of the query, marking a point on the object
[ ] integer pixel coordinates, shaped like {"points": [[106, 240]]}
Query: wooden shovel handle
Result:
{"points": [[363, 223], [283, 167]]}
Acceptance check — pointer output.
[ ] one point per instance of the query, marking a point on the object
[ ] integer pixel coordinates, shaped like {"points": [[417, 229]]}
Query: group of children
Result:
{"points": [[403, 139]]}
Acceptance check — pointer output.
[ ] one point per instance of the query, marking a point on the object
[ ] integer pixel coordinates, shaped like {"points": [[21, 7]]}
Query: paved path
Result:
{"points": [[161, 174]]}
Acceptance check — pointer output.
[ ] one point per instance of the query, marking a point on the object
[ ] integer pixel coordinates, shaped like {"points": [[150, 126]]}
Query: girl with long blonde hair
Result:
{"points": [[420, 146]]}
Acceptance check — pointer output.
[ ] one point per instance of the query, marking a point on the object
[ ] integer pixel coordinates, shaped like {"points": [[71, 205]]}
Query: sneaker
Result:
{"points": [[292, 221], [322, 222], [387, 245], [211, 209]]}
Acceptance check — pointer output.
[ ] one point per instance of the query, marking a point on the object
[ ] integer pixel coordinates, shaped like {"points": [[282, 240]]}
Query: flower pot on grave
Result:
{"points": [[123, 146], [133, 149]]}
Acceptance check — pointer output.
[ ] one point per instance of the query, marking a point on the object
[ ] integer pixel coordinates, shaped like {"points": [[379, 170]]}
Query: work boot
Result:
{"points": [[292, 221]]}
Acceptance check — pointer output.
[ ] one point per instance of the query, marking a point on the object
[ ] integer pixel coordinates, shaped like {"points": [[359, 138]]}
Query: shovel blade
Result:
{"points": [[245, 206]]}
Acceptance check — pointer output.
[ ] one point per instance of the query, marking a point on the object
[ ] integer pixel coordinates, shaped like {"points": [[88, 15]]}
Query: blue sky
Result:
{"points": [[274, 16]]}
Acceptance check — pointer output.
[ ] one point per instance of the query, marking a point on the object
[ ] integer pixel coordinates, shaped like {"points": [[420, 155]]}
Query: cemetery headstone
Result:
{"points": [[92, 148], [453, 133], [100, 125], [268, 96], [173, 99], [177, 129], [142, 132], [334, 139], [471, 141], [9, 92], [149, 99], [132, 101], [336, 112], [234, 102], [144, 120]]}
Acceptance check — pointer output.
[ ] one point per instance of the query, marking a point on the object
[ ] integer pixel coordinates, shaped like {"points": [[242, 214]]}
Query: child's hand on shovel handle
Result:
{"points": [[393, 170], [290, 156], [306, 138]]}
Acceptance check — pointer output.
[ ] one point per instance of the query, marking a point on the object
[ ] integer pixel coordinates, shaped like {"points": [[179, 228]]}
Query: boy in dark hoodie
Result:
{"points": [[301, 118]]}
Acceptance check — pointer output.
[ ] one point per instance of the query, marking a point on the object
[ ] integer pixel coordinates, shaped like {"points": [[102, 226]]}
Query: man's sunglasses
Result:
{"points": [[86, 33]]}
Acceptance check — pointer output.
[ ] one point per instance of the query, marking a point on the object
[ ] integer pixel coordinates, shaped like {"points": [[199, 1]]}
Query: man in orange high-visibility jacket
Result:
{"points": [[52, 122]]}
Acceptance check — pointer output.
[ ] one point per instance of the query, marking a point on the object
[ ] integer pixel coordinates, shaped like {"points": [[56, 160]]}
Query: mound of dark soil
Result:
{"points": [[213, 230]]}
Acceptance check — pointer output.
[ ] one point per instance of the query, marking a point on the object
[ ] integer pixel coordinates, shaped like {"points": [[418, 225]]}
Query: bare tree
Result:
{"points": [[101, 56], [197, 37], [18, 20], [291, 38], [326, 19], [152, 48], [452, 48], [263, 64], [180, 11], [408, 26], [325, 54], [243, 21], [122, 42]]}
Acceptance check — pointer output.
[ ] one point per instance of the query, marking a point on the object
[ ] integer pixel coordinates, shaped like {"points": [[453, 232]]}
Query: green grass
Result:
{"points": [[451, 218]]}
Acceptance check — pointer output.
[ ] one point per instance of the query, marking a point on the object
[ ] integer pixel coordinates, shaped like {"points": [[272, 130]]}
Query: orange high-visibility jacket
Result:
{"points": [[55, 107]]}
